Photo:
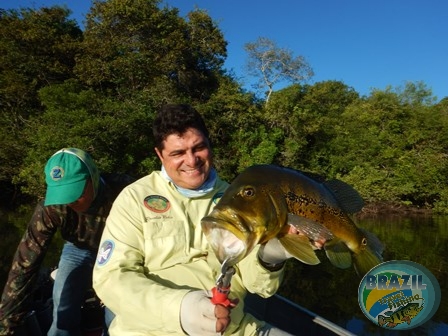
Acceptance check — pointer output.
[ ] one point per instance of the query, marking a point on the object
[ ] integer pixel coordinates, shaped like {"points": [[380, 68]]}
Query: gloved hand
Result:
{"points": [[199, 316], [273, 252]]}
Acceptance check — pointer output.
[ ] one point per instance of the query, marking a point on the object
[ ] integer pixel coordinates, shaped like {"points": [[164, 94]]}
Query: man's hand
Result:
{"points": [[199, 316], [273, 252], [222, 318]]}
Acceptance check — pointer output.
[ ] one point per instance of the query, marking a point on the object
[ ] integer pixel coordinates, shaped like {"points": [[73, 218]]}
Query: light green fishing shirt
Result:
{"points": [[153, 252]]}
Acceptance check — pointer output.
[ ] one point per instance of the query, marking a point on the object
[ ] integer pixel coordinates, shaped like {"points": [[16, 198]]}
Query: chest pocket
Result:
{"points": [[165, 243]]}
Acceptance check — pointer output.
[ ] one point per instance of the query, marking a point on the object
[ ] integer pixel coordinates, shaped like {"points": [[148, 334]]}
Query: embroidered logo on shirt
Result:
{"points": [[156, 203], [105, 252], [217, 197]]}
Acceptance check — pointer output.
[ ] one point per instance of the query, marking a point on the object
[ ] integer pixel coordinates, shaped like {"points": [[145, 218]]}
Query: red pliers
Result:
{"points": [[222, 289]]}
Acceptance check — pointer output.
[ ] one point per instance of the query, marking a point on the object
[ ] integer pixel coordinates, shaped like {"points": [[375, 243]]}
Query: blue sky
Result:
{"points": [[365, 44]]}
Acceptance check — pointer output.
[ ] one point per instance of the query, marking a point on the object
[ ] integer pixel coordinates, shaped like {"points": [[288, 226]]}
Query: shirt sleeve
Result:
{"points": [[257, 279], [18, 292], [120, 279]]}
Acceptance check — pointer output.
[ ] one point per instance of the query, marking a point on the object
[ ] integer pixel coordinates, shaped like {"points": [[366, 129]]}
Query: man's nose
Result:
{"points": [[191, 159]]}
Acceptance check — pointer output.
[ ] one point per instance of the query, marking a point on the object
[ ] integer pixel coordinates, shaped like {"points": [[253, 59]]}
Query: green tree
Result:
{"points": [[37, 49], [306, 115], [388, 146], [272, 64], [415, 93], [117, 134], [231, 115], [133, 45]]}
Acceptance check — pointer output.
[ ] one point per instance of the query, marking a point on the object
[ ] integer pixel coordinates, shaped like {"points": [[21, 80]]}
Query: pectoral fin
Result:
{"points": [[300, 247], [338, 253], [310, 228]]}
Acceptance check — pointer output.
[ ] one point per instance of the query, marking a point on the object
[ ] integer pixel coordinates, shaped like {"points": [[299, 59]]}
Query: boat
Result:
{"points": [[291, 317], [276, 310]]}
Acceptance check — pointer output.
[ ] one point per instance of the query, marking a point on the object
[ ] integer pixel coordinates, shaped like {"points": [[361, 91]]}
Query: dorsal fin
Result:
{"points": [[347, 197]]}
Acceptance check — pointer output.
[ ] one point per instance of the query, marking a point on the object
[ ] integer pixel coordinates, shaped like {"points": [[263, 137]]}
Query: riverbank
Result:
{"points": [[384, 208]]}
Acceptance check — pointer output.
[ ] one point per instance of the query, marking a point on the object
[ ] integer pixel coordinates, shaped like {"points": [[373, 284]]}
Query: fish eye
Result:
{"points": [[249, 192]]}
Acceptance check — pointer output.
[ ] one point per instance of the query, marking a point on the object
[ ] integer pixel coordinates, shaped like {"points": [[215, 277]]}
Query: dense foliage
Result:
{"points": [[98, 88]]}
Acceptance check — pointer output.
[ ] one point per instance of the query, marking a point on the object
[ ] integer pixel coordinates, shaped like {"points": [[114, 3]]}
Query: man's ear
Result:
{"points": [[159, 154]]}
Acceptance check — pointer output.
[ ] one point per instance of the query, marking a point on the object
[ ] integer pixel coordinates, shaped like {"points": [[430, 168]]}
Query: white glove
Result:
{"points": [[197, 314], [273, 252]]}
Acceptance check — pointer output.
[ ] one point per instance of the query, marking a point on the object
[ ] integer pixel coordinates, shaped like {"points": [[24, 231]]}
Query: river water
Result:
{"points": [[323, 289], [333, 293]]}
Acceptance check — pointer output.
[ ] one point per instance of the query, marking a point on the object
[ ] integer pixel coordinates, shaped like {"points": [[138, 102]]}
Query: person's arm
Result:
{"points": [[258, 277], [139, 299], [18, 292]]}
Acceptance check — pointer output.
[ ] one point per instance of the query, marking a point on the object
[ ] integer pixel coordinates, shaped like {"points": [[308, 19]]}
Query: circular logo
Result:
{"points": [[105, 252], [157, 203], [57, 173], [399, 295]]}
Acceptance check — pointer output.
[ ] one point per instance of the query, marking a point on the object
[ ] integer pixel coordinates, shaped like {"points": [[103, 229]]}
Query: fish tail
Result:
{"points": [[365, 260]]}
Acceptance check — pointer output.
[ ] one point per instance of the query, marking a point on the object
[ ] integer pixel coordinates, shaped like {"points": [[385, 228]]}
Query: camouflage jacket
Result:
{"points": [[82, 229]]}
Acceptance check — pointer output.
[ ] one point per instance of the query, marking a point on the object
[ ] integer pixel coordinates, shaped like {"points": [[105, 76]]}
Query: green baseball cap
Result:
{"points": [[66, 175]]}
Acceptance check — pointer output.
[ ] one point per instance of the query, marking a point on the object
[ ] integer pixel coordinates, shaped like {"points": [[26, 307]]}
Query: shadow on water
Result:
{"points": [[333, 293]]}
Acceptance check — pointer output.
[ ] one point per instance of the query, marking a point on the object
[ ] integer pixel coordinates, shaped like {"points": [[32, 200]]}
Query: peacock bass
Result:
{"points": [[265, 200]]}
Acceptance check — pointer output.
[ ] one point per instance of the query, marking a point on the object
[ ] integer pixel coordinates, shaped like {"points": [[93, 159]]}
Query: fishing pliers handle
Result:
{"points": [[222, 289]]}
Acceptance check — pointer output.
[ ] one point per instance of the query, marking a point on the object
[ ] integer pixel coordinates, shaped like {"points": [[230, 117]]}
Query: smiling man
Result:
{"points": [[155, 268], [185, 154]]}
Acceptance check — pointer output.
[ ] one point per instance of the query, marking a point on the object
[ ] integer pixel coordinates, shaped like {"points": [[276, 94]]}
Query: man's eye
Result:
{"points": [[200, 148]]}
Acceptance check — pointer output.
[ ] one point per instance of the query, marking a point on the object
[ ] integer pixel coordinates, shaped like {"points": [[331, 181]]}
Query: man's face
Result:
{"points": [[85, 200], [187, 158]]}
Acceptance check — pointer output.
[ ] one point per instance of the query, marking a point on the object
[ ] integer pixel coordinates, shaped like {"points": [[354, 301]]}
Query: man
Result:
{"points": [[77, 201], [155, 267]]}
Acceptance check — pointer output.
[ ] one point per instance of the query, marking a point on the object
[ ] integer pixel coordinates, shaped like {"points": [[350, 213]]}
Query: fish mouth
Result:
{"points": [[226, 238]]}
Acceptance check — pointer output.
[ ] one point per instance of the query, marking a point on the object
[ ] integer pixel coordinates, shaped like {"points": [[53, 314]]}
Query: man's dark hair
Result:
{"points": [[176, 119]]}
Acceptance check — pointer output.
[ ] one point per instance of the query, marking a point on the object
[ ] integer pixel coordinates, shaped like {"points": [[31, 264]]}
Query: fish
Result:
{"points": [[264, 201], [401, 315]]}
